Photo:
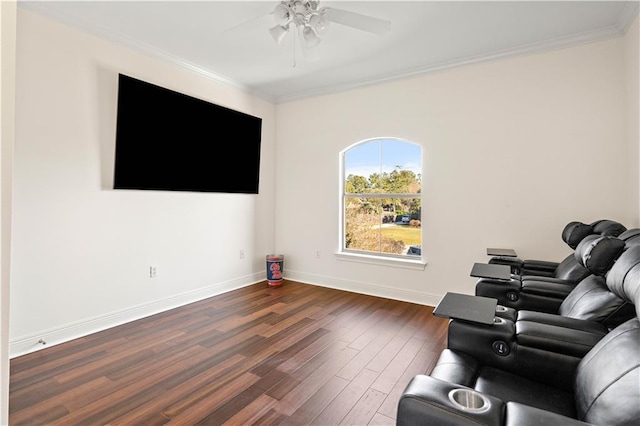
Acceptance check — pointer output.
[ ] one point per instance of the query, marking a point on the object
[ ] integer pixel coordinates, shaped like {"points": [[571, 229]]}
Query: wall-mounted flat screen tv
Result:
{"points": [[169, 141]]}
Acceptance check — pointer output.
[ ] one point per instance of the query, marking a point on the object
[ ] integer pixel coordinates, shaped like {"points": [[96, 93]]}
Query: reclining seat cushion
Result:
{"points": [[569, 270], [607, 385], [592, 300], [511, 387]]}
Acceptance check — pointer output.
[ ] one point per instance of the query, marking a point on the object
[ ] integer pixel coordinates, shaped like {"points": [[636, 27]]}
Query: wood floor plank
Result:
{"points": [[253, 412], [314, 353], [317, 402], [346, 400], [227, 410], [48, 408], [280, 357], [297, 354], [204, 404], [365, 408], [179, 394], [388, 352], [271, 418], [369, 352], [422, 363], [381, 420], [314, 381], [390, 375]]}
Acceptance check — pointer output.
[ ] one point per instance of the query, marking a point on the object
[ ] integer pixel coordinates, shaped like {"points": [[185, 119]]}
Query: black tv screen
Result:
{"points": [[169, 141]]}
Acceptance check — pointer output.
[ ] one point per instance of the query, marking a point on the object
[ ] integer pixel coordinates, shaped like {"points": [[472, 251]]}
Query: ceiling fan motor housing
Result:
{"points": [[302, 13], [311, 21]]}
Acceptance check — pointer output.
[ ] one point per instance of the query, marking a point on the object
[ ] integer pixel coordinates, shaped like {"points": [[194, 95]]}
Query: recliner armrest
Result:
{"points": [[560, 321], [555, 338], [426, 400], [456, 367], [542, 265], [542, 287], [539, 268]]}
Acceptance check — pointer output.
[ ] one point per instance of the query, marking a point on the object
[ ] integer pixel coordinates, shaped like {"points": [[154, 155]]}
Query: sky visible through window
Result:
{"points": [[391, 154]]}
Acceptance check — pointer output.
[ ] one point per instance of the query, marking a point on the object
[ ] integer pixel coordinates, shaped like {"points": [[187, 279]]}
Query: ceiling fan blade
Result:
{"points": [[357, 20]]}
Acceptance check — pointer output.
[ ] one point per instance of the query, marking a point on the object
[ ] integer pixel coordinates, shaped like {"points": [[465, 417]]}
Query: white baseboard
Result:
{"points": [[31, 343], [365, 288]]}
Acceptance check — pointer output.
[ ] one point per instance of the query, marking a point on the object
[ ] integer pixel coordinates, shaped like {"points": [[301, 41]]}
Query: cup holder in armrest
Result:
{"points": [[498, 320], [469, 400], [500, 308]]}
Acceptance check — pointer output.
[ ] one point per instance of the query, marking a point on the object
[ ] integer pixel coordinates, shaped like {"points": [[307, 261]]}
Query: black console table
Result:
{"points": [[501, 252], [465, 307], [491, 270]]}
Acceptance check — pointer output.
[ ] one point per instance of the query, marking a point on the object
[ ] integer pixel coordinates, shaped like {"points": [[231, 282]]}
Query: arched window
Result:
{"points": [[381, 199]]}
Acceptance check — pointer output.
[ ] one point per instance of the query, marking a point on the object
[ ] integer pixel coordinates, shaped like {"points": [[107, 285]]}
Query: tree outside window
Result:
{"points": [[382, 198]]}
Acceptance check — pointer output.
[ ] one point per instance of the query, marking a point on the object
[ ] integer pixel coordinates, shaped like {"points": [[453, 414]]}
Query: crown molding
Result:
{"points": [[602, 34]]}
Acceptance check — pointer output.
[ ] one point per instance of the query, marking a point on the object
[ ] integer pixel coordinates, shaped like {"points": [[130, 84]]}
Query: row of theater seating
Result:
{"points": [[564, 346]]}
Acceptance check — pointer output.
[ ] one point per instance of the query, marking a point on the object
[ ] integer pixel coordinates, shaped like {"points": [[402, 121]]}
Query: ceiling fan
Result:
{"points": [[312, 21]]}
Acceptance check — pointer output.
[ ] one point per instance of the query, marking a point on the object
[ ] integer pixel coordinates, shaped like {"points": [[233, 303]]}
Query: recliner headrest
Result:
{"points": [[575, 232], [624, 277], [597, 253], [608, 227]]}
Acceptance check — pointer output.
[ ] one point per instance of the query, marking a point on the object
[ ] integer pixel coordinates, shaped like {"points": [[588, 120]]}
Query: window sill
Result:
{"points": [[382, 261]]}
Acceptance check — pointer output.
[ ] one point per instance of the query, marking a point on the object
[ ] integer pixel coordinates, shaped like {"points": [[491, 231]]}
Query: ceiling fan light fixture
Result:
{"points": [[310, 37], [282, 15], [278, 32], [319, 24]]}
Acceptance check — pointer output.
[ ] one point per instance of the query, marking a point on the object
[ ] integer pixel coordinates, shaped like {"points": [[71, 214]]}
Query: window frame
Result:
{"points": [[369, 257]]}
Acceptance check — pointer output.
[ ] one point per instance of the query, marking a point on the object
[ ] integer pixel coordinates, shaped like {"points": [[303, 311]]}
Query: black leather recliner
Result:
{"points": [[460, 391], [572, 234], [546, 294], [518, 340], [470, 386]]}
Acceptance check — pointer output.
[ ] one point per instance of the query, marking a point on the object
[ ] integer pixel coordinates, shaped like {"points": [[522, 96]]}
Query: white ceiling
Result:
{"points": [[229, 41]]}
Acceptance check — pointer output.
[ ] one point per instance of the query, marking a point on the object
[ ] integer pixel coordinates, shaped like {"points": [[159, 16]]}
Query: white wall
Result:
{"points": [[82, 251], [515, 149], [632, 55]]}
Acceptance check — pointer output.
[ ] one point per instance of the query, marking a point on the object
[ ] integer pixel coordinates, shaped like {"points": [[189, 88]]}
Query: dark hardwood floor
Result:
{"points": [[296, 355]]}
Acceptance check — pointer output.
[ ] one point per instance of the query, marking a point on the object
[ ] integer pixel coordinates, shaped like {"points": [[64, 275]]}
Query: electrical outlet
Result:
{"points": [[241, 254], [317, 254], [153, 271]]}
